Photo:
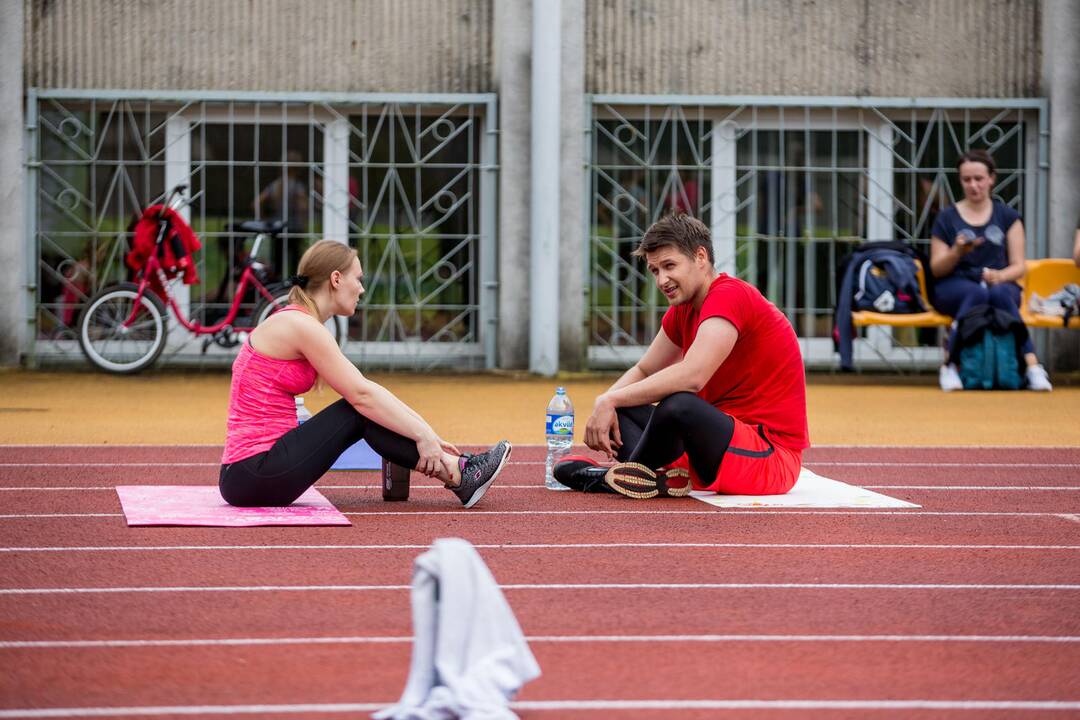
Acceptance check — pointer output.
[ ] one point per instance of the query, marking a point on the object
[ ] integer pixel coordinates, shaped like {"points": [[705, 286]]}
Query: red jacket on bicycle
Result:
{"points": [[179, 243]]}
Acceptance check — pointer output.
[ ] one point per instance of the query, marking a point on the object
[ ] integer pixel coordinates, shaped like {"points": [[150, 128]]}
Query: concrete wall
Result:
{"points": [[794, 47], [513, 65], [963, 48], [1061, 78], [14, 296], [285, 45], [573, 333]]}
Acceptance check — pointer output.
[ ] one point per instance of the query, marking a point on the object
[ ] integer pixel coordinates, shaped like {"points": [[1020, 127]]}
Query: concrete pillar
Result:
{"points": [[336, 181], [1061, 84], [573, 250], [544, 189], [17, 280], [178, 172], [513, 49]]}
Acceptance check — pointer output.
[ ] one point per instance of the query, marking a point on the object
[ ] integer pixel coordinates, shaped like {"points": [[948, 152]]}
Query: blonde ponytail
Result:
{"points": [[299, 296]]}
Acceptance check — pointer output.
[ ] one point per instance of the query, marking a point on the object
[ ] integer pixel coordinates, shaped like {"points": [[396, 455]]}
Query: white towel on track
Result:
{"points": [[469, 655]]}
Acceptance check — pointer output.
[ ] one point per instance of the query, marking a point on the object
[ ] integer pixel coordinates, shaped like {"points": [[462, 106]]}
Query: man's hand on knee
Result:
{"points": [[602, 430]]}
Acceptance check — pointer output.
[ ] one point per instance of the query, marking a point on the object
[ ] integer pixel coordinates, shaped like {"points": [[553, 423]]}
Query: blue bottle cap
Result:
{"points": [[560, 391]]}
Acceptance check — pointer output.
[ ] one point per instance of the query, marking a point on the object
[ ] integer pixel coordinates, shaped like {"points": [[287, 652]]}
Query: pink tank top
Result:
{"points": [[261, 400]]}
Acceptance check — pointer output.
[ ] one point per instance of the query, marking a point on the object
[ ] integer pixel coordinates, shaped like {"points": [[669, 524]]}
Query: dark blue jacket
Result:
{"points": [[897, 260]]}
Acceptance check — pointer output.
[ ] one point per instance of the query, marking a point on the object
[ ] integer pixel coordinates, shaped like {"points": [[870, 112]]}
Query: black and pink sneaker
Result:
{"points": [[479, 471], [634, 480]]}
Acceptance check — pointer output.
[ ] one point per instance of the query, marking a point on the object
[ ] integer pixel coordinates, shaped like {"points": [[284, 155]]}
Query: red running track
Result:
{"points": [[968, 606]]}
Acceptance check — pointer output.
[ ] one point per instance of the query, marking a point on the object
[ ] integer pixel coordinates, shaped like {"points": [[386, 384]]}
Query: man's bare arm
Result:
{"points": [[714, 341], [660, 354]]}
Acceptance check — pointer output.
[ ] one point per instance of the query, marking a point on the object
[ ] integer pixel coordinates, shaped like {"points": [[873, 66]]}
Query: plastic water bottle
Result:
{"points": [[559, 428], [302, 413]]}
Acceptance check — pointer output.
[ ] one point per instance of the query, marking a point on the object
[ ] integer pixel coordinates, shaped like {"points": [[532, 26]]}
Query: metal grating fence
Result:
{"points": [[407, 180], [788, 188]]}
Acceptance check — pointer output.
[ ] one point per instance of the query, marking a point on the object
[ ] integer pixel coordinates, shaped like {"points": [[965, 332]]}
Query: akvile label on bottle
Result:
{"points": [[559, 425]]}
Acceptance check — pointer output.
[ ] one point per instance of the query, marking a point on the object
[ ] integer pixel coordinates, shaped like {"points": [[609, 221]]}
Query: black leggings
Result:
{"points": [[681, 423], [280, 475]]}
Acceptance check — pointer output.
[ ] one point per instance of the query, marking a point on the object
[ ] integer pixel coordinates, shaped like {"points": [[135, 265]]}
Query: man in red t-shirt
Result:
{"points": [[726, 374]]}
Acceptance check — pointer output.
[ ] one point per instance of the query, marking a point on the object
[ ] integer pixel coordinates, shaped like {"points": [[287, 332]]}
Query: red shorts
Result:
{"points": [[753, 465]]}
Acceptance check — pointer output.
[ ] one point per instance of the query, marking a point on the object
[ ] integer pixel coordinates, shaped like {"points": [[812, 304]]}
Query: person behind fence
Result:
{"points": [[977, 257], [285, 197], [726, 374], [269, 460]]}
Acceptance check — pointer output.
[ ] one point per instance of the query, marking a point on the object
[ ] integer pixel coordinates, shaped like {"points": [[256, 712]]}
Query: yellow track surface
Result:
{"points": [[178, 408]]}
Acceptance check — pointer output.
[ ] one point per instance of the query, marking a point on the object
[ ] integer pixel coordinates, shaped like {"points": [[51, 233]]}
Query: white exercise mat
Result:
{"points": [[811, 490]]}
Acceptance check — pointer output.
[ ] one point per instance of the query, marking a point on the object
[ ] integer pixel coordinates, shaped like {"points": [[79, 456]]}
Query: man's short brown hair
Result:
{"points": [[683, 232]]}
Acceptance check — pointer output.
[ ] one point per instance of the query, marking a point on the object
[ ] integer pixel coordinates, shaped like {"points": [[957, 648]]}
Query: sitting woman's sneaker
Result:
{"points": [[949, 378], [479, 471], [634, 480], [1037, 379]]}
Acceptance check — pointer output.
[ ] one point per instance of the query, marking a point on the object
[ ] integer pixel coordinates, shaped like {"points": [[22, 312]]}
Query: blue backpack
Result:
{"points": [[991, 363], [989, 349]]}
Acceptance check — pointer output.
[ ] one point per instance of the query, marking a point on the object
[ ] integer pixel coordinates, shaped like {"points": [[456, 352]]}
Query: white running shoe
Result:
{"points": [[1037, 379], [949, 378]]}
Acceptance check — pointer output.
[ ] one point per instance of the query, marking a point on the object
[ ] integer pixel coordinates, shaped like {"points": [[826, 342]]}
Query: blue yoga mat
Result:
{"points": [[358, 457]]}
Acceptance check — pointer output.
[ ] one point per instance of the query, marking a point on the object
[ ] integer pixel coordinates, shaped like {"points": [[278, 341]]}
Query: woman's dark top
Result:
{"points": [[994, 250]]}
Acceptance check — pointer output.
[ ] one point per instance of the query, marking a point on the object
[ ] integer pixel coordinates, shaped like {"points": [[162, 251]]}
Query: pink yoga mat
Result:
{"points": [[202, 505]]}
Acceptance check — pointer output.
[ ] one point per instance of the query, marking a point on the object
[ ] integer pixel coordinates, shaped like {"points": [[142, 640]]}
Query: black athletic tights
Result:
{"points": [[277, 477], [681, 423]]}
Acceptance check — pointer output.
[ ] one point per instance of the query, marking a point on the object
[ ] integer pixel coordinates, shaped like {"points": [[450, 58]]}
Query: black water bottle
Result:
{"points": [[395, 481]]}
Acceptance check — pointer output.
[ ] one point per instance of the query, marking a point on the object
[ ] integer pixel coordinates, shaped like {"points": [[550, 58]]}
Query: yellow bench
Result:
{"points": [[1046, 277], [929, 318]]}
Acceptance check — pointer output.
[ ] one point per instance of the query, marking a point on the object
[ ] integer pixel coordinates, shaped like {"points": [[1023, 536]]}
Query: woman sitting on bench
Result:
{"points": [[977, 256]]}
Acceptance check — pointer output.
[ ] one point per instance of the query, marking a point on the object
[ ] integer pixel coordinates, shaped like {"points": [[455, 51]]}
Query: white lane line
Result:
{"points": [[546, 586], [981, 448], [26, 516], [718, 512], [560, 706], [103, 446], [673, 705], [544, 546], [1071, 517], [538, 486], [39, 488], [538, 463], [177, 464], [822, 463], [971, 487], [110, 464], [402, 639]]}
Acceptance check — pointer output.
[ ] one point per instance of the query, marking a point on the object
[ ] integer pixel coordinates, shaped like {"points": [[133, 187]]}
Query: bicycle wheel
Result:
{"points": [[115, 348], [337, 326]]}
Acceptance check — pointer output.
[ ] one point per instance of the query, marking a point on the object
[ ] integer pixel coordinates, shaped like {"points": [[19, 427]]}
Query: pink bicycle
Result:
{"points": [[123, 327]]}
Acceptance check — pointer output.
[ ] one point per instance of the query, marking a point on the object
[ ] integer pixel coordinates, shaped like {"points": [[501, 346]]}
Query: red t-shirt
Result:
{"points": [[762, 381]]}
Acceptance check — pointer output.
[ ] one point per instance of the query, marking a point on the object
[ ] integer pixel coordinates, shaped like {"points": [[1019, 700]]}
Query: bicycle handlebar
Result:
{"points": [[168, 202]]}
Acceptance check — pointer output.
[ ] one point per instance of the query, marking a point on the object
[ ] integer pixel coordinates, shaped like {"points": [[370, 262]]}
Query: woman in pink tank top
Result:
{"points": [[269, 460]]}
